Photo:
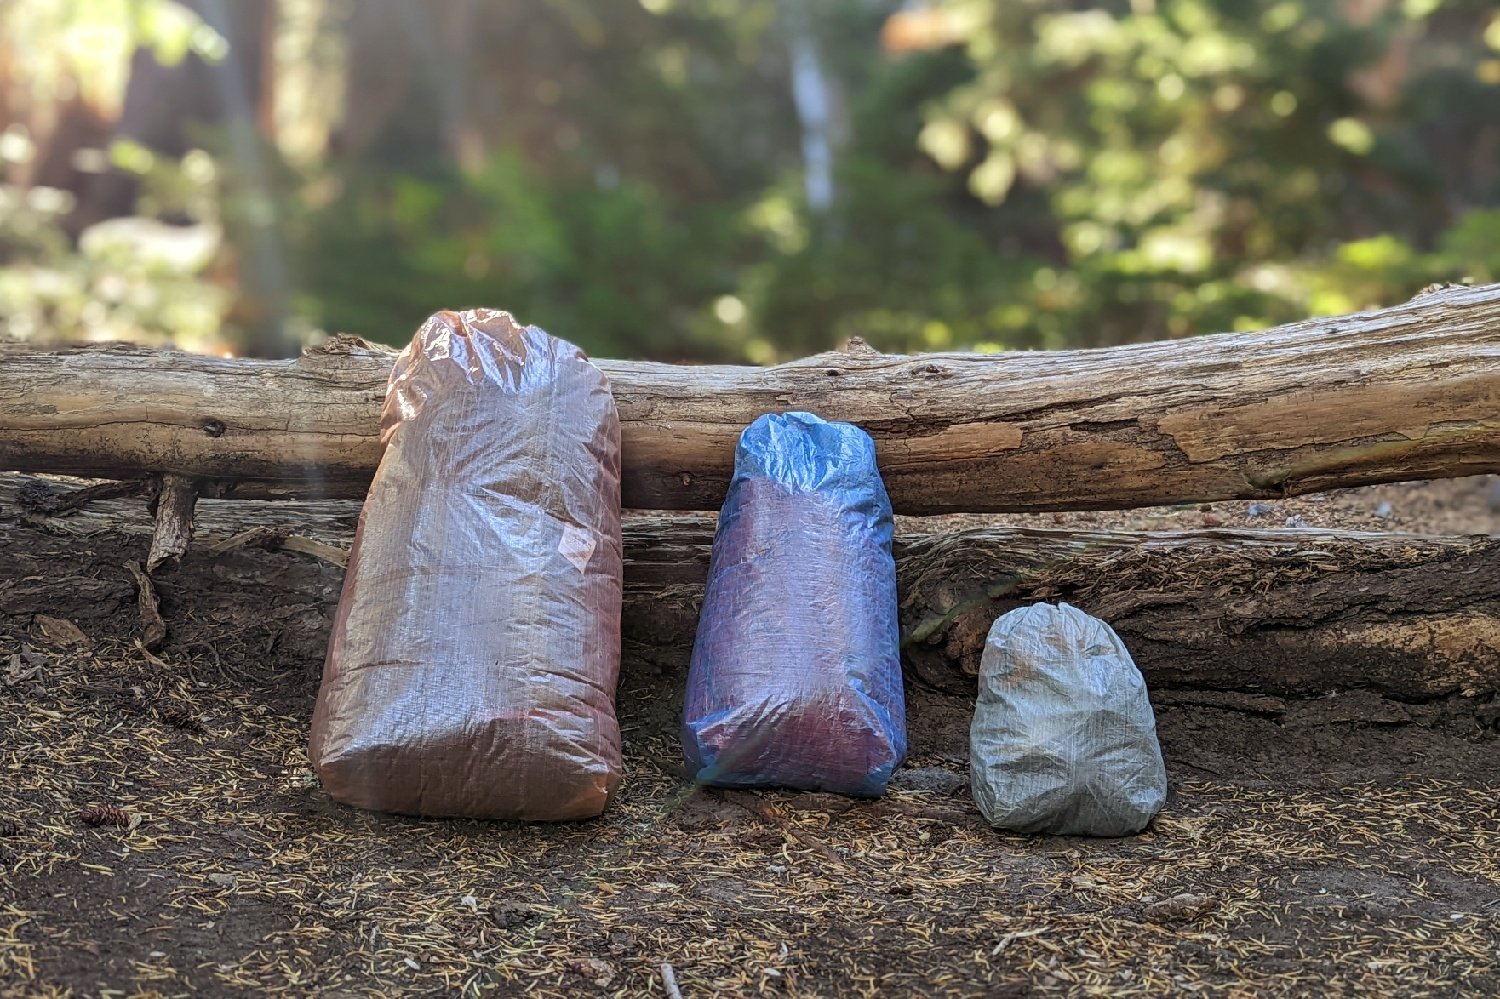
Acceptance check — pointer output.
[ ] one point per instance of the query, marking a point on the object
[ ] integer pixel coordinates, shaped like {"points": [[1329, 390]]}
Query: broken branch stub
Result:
{"points": [[173, 508]]}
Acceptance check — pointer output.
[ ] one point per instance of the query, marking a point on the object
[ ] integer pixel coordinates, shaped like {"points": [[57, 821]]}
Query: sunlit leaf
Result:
{"points": [[1353, 135], [992, 179], [946, 141]]}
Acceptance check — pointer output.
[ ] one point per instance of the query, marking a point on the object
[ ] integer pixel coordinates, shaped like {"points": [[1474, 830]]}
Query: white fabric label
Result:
{"points": [[577, 546]]}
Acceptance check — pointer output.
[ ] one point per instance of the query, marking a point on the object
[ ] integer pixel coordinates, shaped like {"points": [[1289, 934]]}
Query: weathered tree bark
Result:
{"points": [[1289, 611], [1277, 611], [1410, 392], [173, 509]]}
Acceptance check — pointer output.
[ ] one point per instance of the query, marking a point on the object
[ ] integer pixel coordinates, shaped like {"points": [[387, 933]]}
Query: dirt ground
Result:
{"points": [[1345, 844]]}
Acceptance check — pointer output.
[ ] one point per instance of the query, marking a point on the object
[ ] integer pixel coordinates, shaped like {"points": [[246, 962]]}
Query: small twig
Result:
{"points": [[280, 614], [153, 627], [35, 496], [669, 981], [1203, 767], [14, 676], [282, 538], [764, 811], [331, 554], [159, 664], [225, 671], [259, 537], [211, 651]]}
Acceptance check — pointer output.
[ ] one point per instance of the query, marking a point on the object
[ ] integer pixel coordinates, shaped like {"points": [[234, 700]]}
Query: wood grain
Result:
{"points": [[1409, 392]]}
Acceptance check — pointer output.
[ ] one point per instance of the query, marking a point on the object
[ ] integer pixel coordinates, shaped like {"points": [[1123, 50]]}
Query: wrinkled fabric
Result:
{"points": [[1064, 738], [796, 671], [474, 656]]}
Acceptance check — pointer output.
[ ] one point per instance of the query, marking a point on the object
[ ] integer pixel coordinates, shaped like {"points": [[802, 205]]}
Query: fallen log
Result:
{"points": [[1292, 611], [1404, 393]]}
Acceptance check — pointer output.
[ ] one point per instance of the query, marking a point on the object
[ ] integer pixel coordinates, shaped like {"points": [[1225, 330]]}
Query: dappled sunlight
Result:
{"points": [[697, 181], [779, 198]]}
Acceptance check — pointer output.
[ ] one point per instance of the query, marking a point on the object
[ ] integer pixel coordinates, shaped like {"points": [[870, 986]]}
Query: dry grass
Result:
{"points": [[240, 877]]}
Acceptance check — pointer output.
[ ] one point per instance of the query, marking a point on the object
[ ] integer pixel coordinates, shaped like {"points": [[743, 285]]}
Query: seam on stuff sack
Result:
{"points": [[376, 664], [479, 345], [545, 502], [471, 400]]}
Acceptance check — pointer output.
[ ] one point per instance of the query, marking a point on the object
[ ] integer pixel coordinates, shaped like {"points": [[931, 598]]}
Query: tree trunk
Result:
{"points": [[164, 105], [1274, 612], [1410, 392]]}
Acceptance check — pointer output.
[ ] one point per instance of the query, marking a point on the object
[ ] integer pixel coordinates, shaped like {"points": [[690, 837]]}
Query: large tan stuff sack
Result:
{"points": [[473, 662]]}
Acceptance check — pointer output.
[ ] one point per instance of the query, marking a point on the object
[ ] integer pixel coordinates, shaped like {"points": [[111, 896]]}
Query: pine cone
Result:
{"points": [[179, 716], [105, 815]]}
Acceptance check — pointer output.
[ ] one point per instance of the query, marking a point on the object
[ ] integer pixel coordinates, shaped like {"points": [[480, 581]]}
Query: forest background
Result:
{"points": [[737, 180]]}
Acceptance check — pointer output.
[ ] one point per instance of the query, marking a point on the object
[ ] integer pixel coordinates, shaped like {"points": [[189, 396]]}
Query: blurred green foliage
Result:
{"points": [[1212, 165], [132, 278], [1037, 173], [622, 262], [135, 277]]}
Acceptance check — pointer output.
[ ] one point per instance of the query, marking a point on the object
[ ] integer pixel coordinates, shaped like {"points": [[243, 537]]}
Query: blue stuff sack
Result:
{"points": [[796, 671]]}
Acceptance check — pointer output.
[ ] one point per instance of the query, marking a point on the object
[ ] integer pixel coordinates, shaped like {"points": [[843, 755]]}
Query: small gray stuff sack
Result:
{"points": [[1064, 738]]}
